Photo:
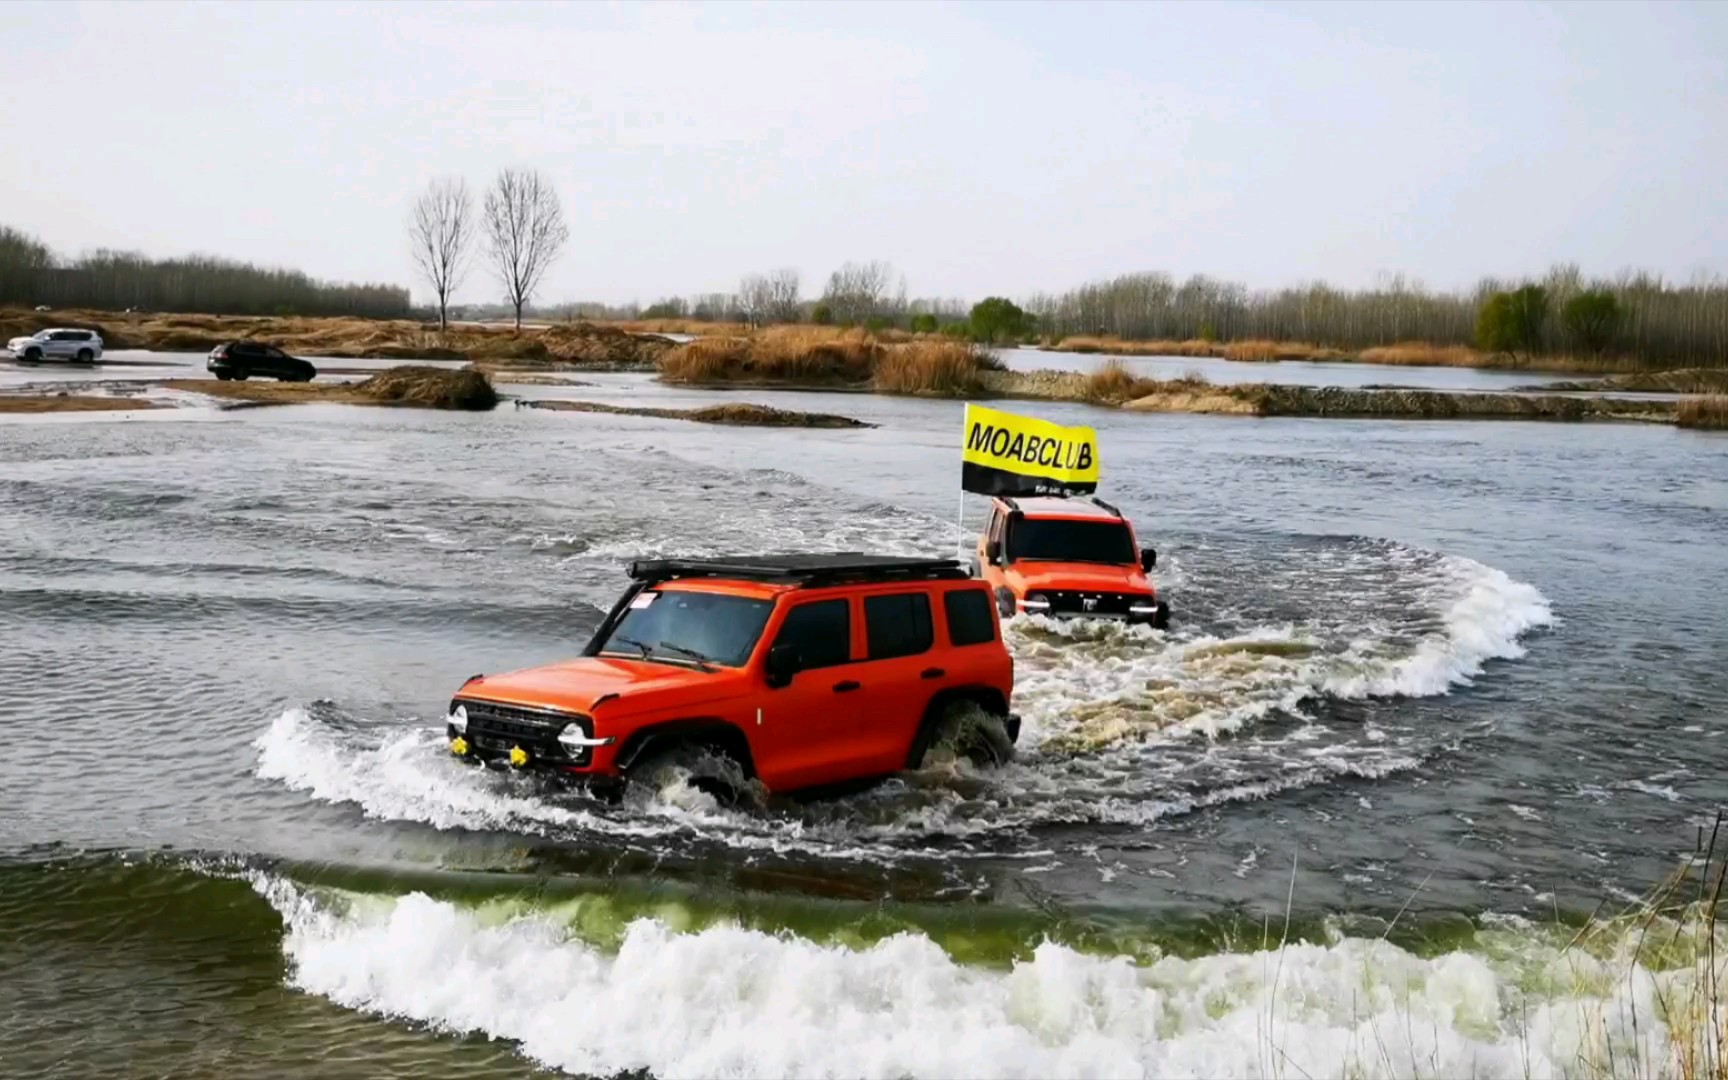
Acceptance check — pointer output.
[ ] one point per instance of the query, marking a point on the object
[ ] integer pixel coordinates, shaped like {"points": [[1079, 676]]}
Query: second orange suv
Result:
{"points": [[797, 671], [1068, 558]]}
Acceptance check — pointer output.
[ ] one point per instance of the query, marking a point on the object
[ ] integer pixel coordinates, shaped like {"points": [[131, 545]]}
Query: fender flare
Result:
{"points": [[712, 731], [987, 698]]}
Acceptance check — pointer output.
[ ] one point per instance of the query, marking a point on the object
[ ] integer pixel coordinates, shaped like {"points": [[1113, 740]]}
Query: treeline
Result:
{"points": [[1635, 314], [31, 275]]}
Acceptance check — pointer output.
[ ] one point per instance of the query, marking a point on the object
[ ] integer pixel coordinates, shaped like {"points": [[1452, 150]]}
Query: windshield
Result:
{"points": [[1070, 541], [679, 627]]}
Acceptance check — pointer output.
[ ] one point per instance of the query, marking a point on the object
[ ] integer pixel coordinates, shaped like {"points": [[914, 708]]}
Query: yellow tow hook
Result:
{"points": [[459, 746], [518, 756]]}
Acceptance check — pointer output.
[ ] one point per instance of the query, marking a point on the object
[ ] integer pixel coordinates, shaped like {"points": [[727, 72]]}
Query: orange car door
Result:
{"points": [[900, 674], [808, 725]]}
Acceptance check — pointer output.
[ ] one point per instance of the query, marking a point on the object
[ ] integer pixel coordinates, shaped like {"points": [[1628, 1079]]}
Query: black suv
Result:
{"points": [[241, 359]]}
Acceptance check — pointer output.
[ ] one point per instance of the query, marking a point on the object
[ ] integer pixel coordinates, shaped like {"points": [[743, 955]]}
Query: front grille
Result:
{"points": [[1076, 602], [496, 728]]}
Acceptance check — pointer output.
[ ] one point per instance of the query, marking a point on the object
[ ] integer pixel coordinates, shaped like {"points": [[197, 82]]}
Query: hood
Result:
{"points": [[617, 685], [1027, 576]]}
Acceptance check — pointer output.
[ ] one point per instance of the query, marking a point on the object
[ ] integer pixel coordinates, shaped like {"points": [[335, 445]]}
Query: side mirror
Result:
{"points": [[993, 551], [1148, 558], [783, 662]]}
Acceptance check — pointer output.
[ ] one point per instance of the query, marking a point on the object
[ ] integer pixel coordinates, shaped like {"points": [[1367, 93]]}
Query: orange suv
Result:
{"points": [[796, 671], [1068, 558]]}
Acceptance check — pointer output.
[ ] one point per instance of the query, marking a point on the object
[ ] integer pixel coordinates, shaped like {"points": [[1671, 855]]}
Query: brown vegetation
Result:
{"points": [[1403, 354], [410, 386], [1681, 381], [741, 415], [694, 327], [54, 403], [566, 345], [823, 356], [1705, 412]]}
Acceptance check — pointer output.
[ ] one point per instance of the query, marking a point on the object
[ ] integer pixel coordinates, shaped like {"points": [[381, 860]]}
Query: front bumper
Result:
{"points": [[524, 737], [1115, 608]]}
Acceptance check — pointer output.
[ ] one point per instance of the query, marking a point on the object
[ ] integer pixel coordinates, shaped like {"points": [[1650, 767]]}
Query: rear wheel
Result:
{"points": [[966, 729], [85, 356], [224, 376], [239, 374]]}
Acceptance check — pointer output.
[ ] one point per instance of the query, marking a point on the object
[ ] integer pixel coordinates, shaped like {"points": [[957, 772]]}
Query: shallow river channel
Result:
{"points": [[1432, 693]]}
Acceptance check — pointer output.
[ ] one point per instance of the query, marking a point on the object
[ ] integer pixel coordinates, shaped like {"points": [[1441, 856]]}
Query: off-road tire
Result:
{"points": [[969, 731], [700, 762]]}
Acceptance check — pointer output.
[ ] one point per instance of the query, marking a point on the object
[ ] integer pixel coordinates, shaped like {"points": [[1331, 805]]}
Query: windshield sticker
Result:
{"points": [[643, 600]]}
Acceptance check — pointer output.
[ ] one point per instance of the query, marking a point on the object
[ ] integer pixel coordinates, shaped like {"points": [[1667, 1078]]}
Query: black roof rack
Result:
{"points": [[1106, 506], [805, 570]]}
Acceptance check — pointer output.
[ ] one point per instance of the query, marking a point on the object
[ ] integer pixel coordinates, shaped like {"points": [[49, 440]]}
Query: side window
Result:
{"points": [[822, 631], [898, 625], [274, 353], [969, 621]]}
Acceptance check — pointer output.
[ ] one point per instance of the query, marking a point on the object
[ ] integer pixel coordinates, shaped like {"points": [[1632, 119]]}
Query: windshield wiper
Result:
{"points": [[633, 643], [702, 662]]}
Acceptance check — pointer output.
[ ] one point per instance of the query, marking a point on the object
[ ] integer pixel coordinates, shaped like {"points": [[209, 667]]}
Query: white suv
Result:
{"points": [[84, 346]]}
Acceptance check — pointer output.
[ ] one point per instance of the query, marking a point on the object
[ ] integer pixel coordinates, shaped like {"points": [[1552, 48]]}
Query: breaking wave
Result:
{"points": [[731, 1001]]}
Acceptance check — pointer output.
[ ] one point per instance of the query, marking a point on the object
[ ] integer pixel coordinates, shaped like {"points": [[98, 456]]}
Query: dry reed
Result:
{"points": [[1704, 412]]}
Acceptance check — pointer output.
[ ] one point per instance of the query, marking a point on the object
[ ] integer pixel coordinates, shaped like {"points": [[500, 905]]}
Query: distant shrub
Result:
{"points": [[924, 323], [997, 318], [822, 315], [1592, 318]]}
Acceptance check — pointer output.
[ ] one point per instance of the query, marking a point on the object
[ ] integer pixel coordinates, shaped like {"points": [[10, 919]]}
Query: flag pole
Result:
{"points": [[960, 528]]}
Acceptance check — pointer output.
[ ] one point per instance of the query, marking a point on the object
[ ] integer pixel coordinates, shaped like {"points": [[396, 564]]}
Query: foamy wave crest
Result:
{"points": [[407, 777], [728, 1001], [1484, 614]]}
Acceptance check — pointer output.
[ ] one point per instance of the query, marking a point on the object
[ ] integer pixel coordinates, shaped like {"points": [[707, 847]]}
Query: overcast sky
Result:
{"points": [[981, 148]]}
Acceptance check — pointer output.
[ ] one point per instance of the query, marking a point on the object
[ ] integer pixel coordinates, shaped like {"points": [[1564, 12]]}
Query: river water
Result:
{"points": [[1433, 691]]}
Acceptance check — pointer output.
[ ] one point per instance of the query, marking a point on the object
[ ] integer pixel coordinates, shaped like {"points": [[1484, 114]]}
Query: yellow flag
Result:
{"points": [[1008, 454]]}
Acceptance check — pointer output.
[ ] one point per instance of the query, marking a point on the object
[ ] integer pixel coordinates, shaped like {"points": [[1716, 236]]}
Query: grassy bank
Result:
{"points": [[1113, 385], [826, 357], [57, 403], [737, 415], [413, 386], [1678, 381], [1709, 412], [566, 345], [1402, 354]]}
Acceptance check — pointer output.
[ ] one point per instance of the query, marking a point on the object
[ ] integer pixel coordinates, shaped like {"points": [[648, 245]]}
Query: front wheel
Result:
{"points": [[670, 775], [33, 355]]}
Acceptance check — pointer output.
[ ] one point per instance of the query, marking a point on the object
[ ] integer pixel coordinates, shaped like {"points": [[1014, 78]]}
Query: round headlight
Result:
{"points": [[459, 719]]}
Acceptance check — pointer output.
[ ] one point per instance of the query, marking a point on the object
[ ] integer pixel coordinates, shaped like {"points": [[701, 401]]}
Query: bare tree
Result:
{"points": [[857, 291], [439, 233], [769, 298], [524, 230], [783, 303]]}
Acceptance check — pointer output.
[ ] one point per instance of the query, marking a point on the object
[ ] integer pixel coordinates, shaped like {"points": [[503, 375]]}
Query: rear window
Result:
{"points": [[898, 625], [822, 632], [1058, 540], [969, 621]]}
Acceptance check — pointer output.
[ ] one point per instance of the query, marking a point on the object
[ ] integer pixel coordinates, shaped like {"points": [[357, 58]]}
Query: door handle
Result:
{"points": [[932, 673], [847, 687]]}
